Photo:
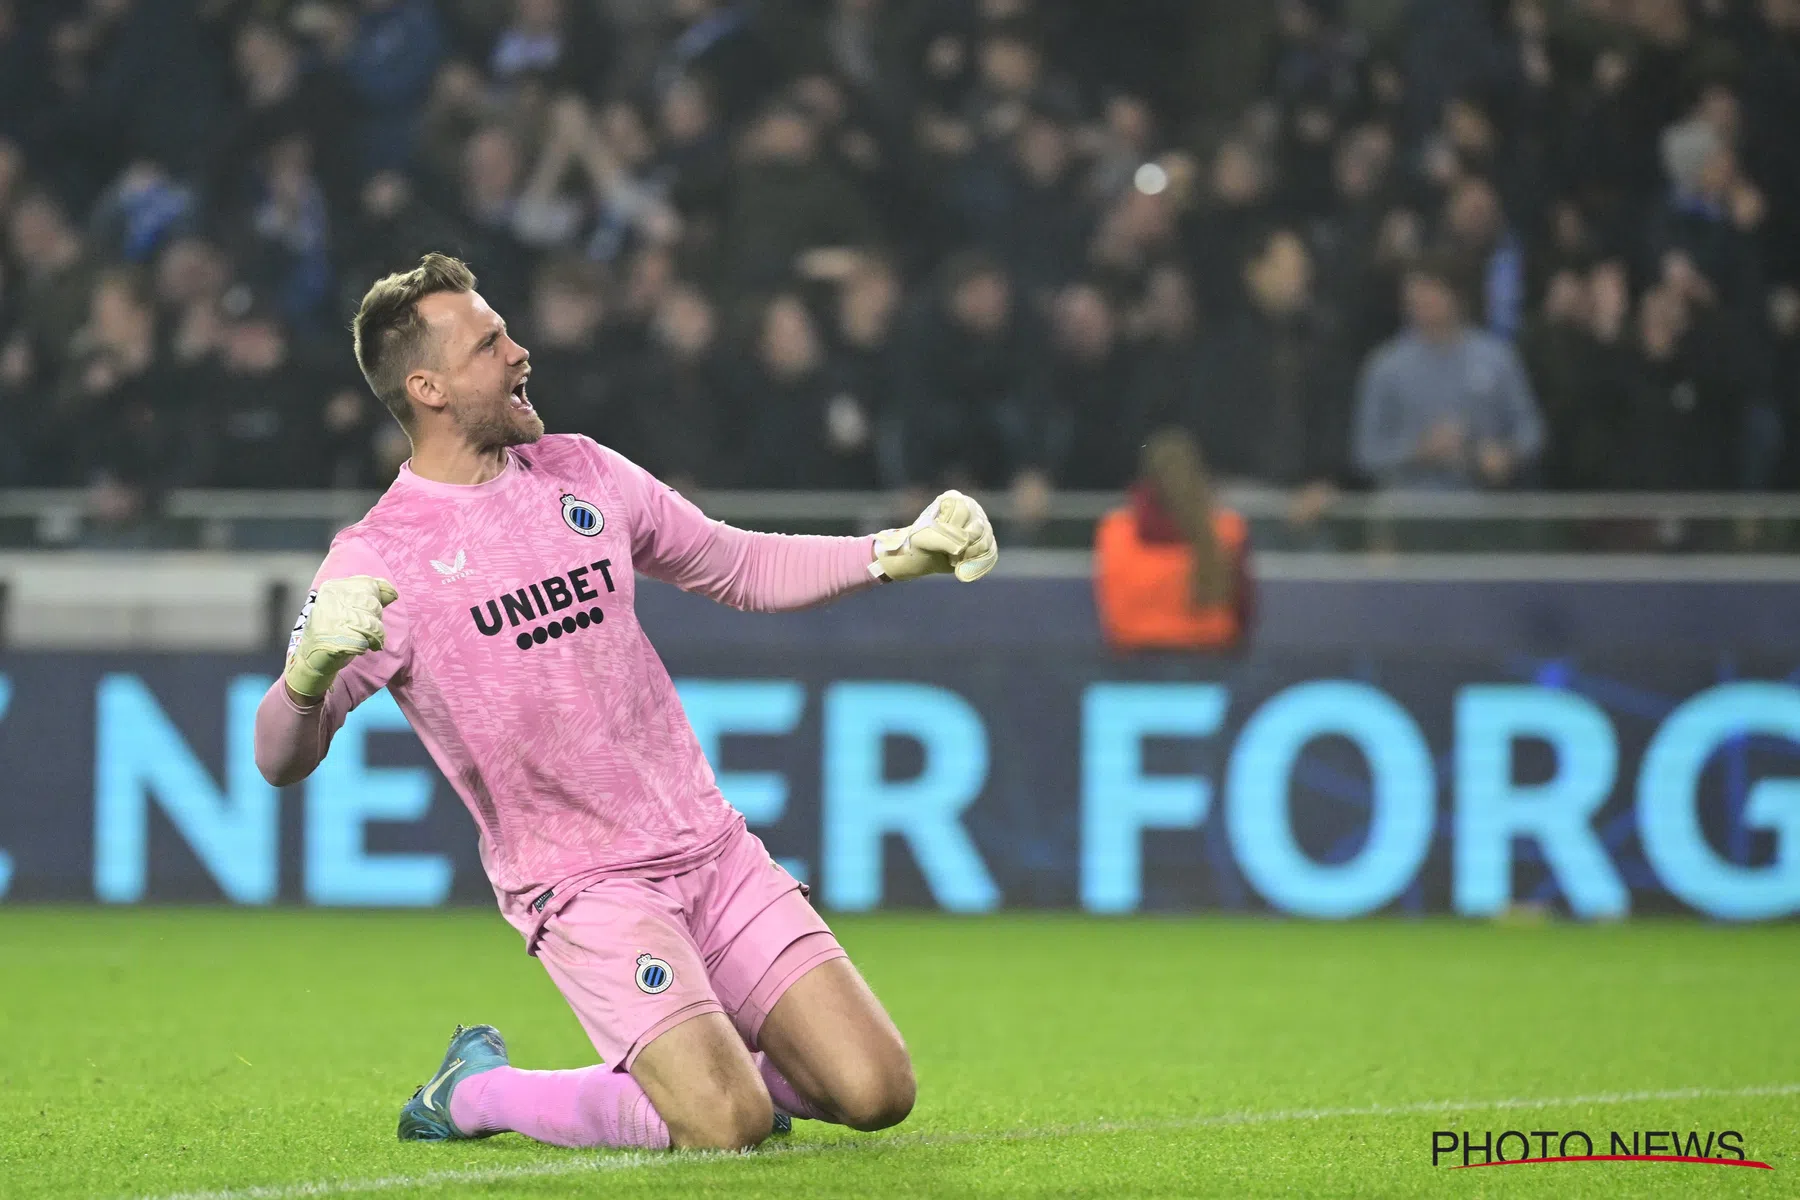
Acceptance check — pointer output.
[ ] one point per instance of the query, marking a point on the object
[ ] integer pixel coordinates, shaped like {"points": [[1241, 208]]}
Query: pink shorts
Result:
{"points": [[637, 957]]}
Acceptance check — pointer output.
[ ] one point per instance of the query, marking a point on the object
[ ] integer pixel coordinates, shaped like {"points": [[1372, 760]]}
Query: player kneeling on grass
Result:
{"points": [[490, 590]]}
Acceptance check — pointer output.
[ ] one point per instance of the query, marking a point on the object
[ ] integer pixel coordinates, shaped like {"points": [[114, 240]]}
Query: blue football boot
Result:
{"points": [[426, 1117]]}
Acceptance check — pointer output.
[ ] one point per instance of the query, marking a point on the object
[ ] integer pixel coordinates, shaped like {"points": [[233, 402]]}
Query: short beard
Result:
{"points": [[495, 429]]}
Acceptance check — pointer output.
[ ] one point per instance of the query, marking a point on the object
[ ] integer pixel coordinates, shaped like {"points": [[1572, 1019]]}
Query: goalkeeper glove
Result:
{"points": [[951, 535], [345, 621]]}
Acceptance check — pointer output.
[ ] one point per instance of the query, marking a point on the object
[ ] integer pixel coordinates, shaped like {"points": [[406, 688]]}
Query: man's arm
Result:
{"points": [[350, 642], [1382, 441], [675, 542]]}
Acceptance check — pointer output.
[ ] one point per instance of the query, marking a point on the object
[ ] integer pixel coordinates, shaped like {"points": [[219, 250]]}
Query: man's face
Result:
{"points": [[479, 371], [787, 138], [983, 302], [1281, 280], [35, 229], [566, 316], [1430, 302], [790, 346], [490, 167], [1043, 152], [1475, 214], [255, 347], [1084, 323]]}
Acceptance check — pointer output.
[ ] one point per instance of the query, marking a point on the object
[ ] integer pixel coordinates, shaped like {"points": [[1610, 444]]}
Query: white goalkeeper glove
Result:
{"points": [[345, 621], [952, 535]]}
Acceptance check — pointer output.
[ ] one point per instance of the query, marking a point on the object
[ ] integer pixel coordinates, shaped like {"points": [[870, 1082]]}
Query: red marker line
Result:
{"points": [[1664, 1158]]}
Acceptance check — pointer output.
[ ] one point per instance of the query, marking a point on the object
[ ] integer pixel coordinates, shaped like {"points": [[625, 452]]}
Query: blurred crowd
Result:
{"points": [[903, 243]]}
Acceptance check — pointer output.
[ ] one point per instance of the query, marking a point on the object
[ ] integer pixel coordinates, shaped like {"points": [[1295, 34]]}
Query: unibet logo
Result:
{"points": [[524, 607]]}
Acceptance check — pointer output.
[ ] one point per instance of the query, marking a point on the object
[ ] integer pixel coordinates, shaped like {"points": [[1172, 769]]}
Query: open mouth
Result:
{"points": [[520, 401]]}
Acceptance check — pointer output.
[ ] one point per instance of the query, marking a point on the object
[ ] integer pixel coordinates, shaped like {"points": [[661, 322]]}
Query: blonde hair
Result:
{"points": [[389, 333]]}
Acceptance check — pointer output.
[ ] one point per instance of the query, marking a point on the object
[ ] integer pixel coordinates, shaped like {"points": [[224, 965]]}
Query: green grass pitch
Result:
{"points": [[266, 1054]]}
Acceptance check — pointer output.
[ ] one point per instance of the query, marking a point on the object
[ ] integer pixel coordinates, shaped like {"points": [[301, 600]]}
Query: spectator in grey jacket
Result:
{"points": [[1444, 405]]}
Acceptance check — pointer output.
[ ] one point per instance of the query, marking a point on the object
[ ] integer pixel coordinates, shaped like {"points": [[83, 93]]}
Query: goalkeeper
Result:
{"points": [[490, 590]]}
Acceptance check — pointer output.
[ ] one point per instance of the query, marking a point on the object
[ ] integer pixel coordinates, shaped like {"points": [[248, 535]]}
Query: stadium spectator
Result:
{"points": [[799, 431], [113, 422], [393, 224], [282, 97], [1164, 333], [283, 238], [785, 201], [579, 377], [1579, 350], [390, 62], [971, 384], [558, 40], [1444, 405], [264, 413], [1172, 567], [1477, 233], [693, 160], [1235, 215], [868, 305], [1710, 219], [1689, 400], [1365, 239], [677, 386], [143, 208], [706, 156], [56, 276], [1043, 226], [1272, 384], [1093, 432], [192, 276]]}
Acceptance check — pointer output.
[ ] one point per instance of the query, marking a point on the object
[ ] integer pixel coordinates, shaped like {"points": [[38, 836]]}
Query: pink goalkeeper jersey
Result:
{"points": [[515, 653]]}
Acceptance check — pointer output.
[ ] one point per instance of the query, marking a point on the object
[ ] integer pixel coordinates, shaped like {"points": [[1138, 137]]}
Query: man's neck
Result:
{"points": [[456, 461]]}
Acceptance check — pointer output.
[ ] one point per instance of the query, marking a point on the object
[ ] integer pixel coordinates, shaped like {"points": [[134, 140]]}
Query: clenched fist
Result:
{"points": [[951, 535], [343, 621]]}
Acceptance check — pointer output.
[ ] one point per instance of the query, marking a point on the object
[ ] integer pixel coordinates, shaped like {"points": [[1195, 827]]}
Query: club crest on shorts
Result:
{"points": [[653, 975], [581, 516]]}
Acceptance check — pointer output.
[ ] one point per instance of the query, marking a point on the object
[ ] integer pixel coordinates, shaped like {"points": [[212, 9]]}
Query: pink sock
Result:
{"points": [[785, 1097], [593, 1106]]}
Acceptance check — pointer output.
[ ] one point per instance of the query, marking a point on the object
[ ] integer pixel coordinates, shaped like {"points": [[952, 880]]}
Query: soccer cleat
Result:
{"points": [[784, 1124], [426, 1117]]}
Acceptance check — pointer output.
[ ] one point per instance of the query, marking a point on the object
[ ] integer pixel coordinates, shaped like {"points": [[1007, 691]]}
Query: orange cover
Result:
{"points": [[1144, 589]]}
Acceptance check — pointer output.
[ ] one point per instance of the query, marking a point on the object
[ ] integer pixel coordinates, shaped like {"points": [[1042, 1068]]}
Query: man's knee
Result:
{"points": [[729, 1119], [878, 1094]]}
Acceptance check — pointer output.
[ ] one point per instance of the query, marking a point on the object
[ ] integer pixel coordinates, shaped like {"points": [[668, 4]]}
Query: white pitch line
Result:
{"points": [[640, 1160]]}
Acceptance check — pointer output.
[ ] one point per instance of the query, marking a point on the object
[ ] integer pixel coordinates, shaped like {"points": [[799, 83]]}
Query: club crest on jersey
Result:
{"points": [[653, 975], [581, 516]]}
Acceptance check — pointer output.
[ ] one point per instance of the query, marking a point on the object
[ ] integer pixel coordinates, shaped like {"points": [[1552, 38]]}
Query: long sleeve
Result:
{"points": [[291, 740], [1383, 442], [759, 572]]}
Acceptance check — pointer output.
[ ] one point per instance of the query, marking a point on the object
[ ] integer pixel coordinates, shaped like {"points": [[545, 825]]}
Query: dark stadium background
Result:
{"points": [[810, 260]]}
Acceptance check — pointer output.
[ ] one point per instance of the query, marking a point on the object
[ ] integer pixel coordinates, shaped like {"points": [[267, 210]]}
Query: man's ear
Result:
{"points": [[425, 389]]}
